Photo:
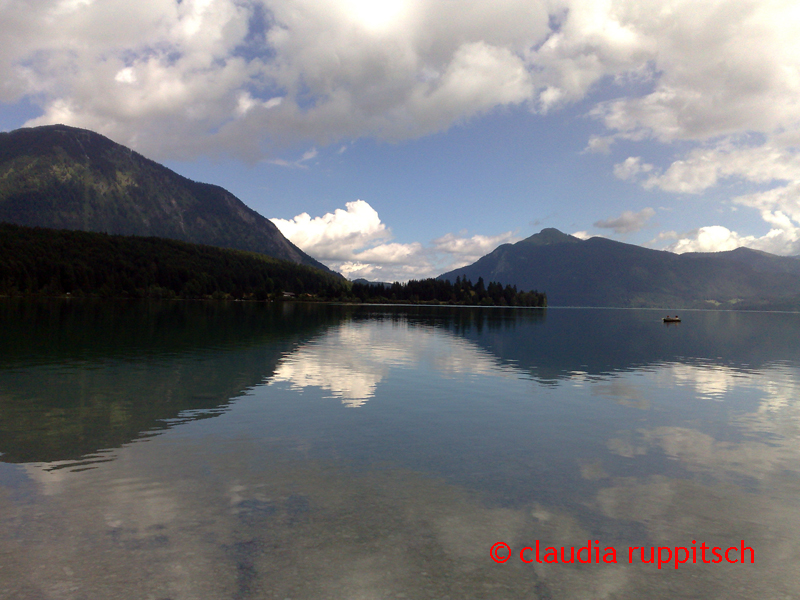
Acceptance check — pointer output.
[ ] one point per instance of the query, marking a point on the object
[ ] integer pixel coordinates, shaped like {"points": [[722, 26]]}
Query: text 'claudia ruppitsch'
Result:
{"points": [[592, 552]]}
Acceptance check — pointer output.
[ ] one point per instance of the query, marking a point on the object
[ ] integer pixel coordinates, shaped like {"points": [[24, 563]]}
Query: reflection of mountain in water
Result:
{"points": [[79, 376], [311, 500], [707, 352], [598, 342]]}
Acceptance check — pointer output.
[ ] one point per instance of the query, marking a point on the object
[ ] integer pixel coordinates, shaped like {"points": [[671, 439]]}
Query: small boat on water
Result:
{"points": [[674, 319]]}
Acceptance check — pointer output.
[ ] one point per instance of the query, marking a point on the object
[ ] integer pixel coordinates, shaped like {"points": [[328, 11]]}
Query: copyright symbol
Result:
{"points": [[496, 554]]}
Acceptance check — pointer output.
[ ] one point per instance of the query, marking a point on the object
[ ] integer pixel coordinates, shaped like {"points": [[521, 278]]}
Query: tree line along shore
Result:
{"points": [[55, 262]]}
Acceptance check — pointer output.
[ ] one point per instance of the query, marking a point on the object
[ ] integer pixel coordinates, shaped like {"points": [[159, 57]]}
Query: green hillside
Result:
{"points": [[66, 178], [47, 262]]}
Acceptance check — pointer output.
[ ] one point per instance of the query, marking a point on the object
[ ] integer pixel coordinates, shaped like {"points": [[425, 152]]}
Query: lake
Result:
{"points": [[192, 450]]}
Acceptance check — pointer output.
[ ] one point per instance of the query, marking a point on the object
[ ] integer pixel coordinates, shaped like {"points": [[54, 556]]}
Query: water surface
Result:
{"points": [[200, 450]]}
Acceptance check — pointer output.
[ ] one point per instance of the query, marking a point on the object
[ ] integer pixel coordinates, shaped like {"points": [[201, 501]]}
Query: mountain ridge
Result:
{"points": [[602, 272], [63, 177]]}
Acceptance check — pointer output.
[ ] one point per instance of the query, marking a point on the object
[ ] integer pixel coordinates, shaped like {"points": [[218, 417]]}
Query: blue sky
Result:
{"points": [[403, 138]]}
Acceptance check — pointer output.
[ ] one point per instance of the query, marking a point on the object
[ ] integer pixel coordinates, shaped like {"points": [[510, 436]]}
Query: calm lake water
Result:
{"points": [[215, 451]]}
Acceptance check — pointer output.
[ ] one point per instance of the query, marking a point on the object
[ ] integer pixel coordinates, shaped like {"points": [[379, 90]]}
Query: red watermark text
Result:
{"points": [[660, 556]]}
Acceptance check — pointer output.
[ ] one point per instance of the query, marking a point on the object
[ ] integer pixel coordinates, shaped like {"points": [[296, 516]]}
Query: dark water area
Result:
{"points": [[237, 450]]}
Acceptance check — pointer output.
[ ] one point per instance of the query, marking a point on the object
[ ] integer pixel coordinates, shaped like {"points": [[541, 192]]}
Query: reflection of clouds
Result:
{"points": [[715, 507], [188, 519], [335, 367], [593, 470], [781, 395], [778, 384], [579, 378], [191, 522], [626, 447], [205, 524], [772, 444], [139, 503], [743, 487], [630, 389], [622, 392], [777, 416], [351, 360], [216, 517], [711, 382], [615, 386], [714, 382], [51, 481], [700, 451], [674, 512]]}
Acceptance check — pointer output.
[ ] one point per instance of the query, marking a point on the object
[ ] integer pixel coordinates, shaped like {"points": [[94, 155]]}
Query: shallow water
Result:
{"points": [[199, 450]]}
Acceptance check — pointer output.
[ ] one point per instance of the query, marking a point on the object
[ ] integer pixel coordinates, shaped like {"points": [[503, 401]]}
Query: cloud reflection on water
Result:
{"points": [[350, 360], [295, 497]]}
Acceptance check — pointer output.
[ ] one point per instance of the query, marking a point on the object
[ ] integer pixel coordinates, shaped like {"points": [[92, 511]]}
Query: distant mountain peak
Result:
{"points": [[603, 272], [550, 236]]}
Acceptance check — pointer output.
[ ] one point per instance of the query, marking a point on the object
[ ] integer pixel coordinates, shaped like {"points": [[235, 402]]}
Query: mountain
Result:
{"points": [[66, 178], [602, 272]]}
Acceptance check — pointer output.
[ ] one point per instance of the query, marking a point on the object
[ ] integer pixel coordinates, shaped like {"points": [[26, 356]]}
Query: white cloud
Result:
{"points": [[338, 235], [393, 253], [468, 250], [783, 239], [202, 76], [246, 103], [296, 164], [257, 77], [631, 167], [725, 78], [703, 168], [599, 144], [628, 221], [714, 238], [767, 164], [666, 235], [721, 69], [356, 243], [309, 154], [779, 206], [126, 75], [395, 69]]}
